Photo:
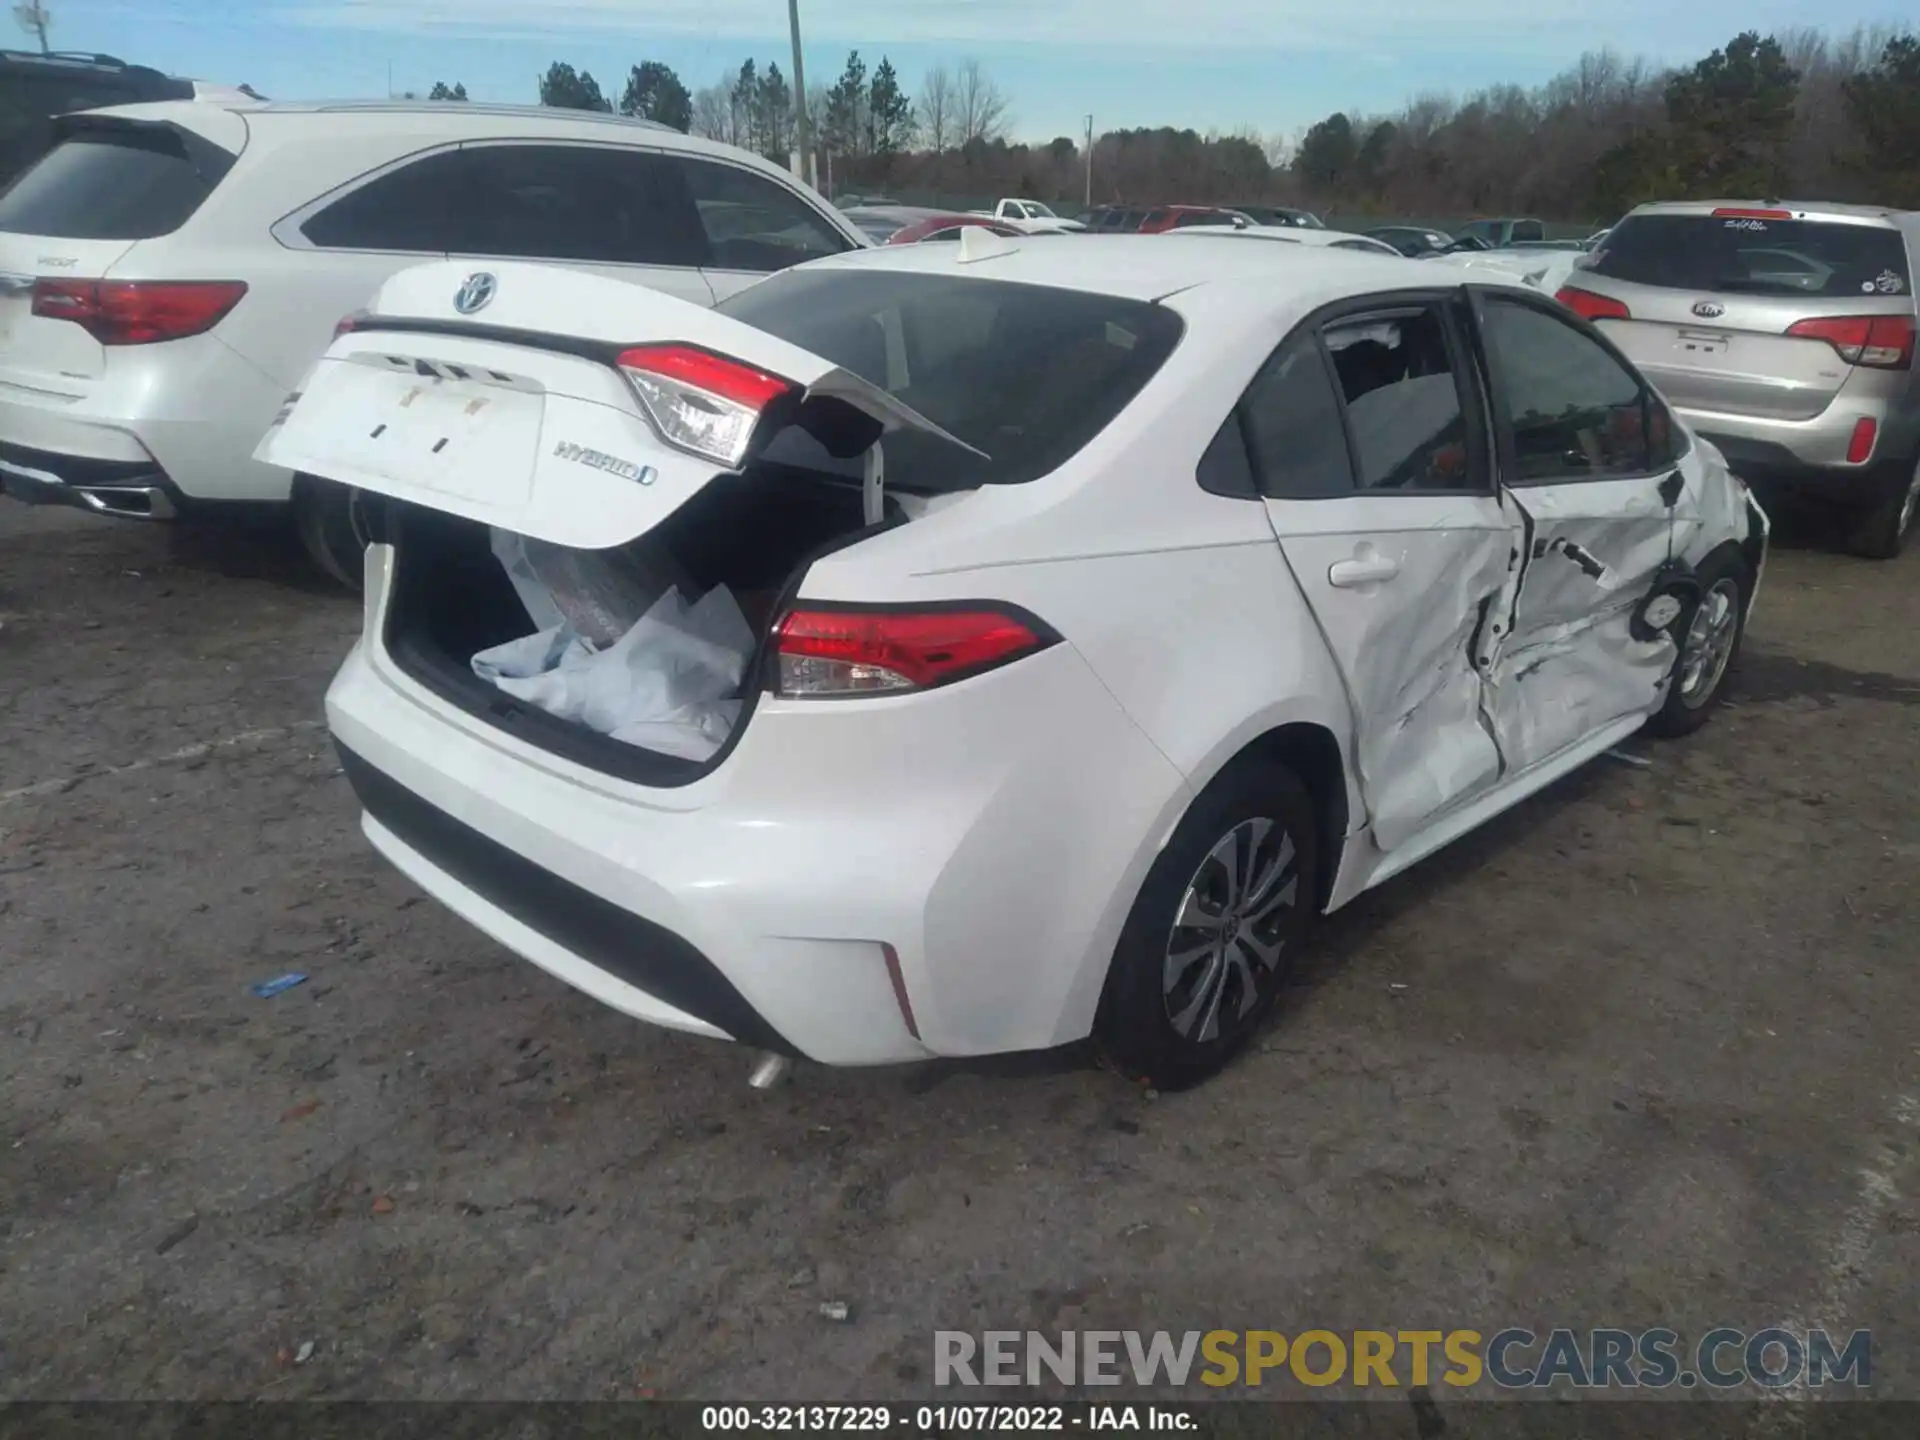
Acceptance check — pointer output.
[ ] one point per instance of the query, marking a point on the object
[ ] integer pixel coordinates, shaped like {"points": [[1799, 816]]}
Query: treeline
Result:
{"points": [[1798, 113]]}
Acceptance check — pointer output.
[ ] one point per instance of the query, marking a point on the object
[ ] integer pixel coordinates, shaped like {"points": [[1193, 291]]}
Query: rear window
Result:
{"points": [[1028, 374], [129, 185], [1745, 255]]}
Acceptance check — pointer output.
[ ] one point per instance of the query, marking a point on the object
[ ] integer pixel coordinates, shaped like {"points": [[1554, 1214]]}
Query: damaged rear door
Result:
{"points": [[1370, 443], [1586, 452], [564, 406]]}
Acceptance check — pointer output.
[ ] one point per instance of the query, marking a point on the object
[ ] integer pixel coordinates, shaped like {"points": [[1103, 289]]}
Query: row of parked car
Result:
{"points": [[877, 652]]}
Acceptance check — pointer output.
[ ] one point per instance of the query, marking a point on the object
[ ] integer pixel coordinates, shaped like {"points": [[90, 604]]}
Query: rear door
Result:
{"points": [[108, 185], [1369, 438], [1587, 452], [749, 224], [1712, 298]]}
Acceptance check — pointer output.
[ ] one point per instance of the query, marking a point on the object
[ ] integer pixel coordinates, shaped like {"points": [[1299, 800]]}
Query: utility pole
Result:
{"points": [[35, 20], [799, 96], [1089, 162]]}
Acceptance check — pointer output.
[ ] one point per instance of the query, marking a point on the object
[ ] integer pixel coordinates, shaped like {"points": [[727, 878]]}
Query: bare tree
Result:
{"points": [[713, 113], [980, 110], [937, 108]]}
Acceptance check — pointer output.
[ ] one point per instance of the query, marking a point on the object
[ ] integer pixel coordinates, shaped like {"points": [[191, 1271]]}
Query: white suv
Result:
{"points": [[169, 271]]}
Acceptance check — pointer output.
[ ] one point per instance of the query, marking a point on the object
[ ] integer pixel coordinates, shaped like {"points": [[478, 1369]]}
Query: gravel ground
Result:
{"points": [[1643, 1051]]}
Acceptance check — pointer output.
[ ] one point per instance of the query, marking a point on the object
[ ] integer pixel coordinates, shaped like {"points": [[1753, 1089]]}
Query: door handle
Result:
{"points": [[1367, 567]]}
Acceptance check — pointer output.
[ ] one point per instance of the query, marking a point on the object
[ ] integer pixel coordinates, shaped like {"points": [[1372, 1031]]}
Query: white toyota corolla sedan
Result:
{"points": [[943, 650]]}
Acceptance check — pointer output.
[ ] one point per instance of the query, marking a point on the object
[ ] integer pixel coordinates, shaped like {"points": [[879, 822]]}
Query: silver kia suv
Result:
{"points": [[1784, 332]]}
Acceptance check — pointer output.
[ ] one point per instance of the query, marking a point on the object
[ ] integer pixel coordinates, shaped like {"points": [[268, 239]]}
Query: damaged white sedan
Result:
{"points": [[938, 651]]}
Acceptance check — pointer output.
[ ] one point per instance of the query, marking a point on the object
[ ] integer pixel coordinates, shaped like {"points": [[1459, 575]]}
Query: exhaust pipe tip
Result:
{"points": [[769, 1070], [129, 502]]}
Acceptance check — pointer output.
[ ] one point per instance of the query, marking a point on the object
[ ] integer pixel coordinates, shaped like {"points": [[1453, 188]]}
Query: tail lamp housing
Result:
{"points": [[705, 404], [1590, 306], [1879, 342], [829, 651], [138, 312]]}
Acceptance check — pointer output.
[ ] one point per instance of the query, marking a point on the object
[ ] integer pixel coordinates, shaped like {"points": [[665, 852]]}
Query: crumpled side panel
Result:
{"points": [[1405, 649], [1572, 664]]}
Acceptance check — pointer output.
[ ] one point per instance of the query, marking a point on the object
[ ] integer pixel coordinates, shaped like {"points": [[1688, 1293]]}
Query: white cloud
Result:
{"points": [[1300, 25]]}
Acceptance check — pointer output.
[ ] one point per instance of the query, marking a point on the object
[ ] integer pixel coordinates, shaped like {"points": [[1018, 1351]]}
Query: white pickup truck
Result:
{"points": [[1029, 215]]}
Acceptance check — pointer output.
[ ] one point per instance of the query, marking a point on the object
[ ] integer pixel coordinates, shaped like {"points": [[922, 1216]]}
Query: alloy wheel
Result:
{"points": [[1228, 934], [1709, 642]]}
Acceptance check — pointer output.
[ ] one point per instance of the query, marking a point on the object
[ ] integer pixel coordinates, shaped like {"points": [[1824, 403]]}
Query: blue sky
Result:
{"points": [[1274, 65]]}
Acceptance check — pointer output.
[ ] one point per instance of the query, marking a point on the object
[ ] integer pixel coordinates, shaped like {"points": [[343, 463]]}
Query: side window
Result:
{"points": [[1529, 230], [1576, 412], [1294, 433], [753, 223], [417, 207], [605, 204], [1397, 376]]}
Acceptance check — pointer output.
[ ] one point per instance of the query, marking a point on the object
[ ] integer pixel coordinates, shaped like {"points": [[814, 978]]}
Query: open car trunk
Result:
{"points": [[750, 536]]}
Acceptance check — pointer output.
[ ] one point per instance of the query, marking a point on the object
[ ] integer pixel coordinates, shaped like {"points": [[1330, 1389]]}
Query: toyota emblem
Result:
{"points": [[1705, 309], [476, 293]]}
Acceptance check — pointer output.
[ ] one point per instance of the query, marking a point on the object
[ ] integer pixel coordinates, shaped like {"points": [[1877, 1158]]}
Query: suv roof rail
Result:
{"points": [[84, 56]]}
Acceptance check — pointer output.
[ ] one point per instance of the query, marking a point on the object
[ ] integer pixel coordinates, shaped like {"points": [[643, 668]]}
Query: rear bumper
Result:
{"points": [[991, 835], [1806, 453], [133, 489]]}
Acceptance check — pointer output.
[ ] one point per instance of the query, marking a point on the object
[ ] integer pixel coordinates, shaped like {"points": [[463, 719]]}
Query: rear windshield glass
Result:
{"points": [[1750, 256], [128, 185], [1025, 373]]}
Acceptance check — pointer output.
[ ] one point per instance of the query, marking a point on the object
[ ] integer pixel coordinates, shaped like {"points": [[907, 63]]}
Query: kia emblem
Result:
{"points": [[1705, 309], [476, 293]]}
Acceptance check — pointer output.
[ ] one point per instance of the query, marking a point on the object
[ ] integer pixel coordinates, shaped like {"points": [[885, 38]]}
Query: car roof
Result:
{"points": [[1151, 267], [1799, 209], [458, 118]]}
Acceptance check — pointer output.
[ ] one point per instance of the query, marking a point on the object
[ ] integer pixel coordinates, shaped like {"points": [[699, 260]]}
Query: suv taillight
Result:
{"points": [[138, 312], [1883, 342], [1591, 306], [884, 650]]}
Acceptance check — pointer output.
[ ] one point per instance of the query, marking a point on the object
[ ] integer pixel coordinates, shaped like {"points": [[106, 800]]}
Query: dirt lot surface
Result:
{"points": [[1643, 1051]]}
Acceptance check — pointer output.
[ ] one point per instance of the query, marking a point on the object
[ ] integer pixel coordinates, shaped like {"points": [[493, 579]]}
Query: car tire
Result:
{"points": [[1881, 532], [1709, 633], [1182, 999], [332, 522]]}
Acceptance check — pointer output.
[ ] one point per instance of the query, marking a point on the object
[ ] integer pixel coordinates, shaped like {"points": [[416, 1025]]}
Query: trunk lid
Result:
{"points": [[1712, 295], [112, 181], [495, 395]]}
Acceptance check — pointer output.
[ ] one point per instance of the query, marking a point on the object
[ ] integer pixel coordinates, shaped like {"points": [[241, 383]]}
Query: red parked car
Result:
{"points": [[1178, 217], [947, 227]]}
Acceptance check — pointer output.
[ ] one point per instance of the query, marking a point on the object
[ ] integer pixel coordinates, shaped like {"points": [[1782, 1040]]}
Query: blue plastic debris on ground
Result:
{"points": [[267, 989]]}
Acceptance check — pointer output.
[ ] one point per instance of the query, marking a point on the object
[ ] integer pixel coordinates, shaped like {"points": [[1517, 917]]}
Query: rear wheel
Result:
{"points": [[1709, 636], [332, 520], [1881, 532], [1214, 930]]}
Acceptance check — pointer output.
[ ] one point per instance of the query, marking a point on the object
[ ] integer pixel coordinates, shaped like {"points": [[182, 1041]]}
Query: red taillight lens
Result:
{"points": [[1860, 443], [882, 651], [700, 402], [1883, 342], [1591, 306], [350, 323], [137, 312], [1735, 212]]}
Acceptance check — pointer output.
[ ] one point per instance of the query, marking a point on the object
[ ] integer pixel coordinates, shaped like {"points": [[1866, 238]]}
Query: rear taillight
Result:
{"points": [[700, 402], [881, 651], [1591, 306], [1883, 342], [1738, 212], [137, 312]]}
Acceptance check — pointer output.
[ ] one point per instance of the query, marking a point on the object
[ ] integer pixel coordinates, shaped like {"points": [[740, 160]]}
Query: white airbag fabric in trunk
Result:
{"points": [[671, 683]]}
